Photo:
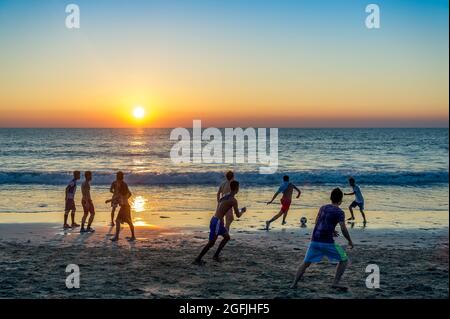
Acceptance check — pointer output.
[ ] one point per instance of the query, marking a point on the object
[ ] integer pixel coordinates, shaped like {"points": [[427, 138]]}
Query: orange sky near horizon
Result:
{"points": [[226, 70], [283, 107]]}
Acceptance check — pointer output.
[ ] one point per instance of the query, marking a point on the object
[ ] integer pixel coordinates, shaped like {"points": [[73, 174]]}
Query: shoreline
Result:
{"points": [[252, 220]]}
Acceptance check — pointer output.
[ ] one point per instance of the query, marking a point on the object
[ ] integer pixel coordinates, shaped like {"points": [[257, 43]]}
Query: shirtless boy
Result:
{"points": [[88, 205], [224, 189], [217, 227]]}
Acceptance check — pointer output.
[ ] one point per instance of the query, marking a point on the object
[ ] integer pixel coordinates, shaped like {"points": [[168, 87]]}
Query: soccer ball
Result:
{"points": [[303, 221]]}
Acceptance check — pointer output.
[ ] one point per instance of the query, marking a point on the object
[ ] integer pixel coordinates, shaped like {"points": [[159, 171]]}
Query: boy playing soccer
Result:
{"points": [[322, 242], [124, 215], [224, 189], [217, 227], [359, 200], [88, 205], [287, 189], [115, 200], [70, 201]]}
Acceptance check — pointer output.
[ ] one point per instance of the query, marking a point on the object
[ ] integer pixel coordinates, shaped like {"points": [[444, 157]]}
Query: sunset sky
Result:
{"points": [[228, 63]]}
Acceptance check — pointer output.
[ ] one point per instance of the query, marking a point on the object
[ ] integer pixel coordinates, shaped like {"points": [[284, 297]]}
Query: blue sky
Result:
{"points": [[287, 59]]}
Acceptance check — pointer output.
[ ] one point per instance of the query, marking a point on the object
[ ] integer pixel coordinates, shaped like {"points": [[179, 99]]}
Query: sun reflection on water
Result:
{"points": [[140, 223], [138, 204]]}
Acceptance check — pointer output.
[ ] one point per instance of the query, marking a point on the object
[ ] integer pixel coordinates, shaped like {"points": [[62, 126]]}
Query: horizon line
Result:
{"points": [[223, 127]]}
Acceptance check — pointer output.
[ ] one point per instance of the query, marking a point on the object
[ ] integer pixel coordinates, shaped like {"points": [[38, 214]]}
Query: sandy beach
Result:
{"points": [[297, 121], [257, 264]]}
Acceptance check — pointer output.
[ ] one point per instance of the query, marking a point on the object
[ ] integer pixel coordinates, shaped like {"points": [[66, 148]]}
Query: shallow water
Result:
{"points": [[399, 170]]}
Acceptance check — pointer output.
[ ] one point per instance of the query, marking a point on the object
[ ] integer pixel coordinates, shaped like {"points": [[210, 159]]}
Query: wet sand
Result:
{"points": [[257, 264]]}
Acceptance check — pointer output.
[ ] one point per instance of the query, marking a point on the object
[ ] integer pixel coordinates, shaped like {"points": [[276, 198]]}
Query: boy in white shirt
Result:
{"points": [[359, 200], [70, 201]]}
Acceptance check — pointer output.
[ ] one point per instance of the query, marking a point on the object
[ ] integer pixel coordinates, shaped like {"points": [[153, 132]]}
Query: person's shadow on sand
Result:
{"points": [[109, 234], [132, 243], [84, 237]]}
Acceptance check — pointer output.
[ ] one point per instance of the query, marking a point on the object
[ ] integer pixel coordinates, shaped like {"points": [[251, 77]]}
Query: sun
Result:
{"points": [[138, 112]]}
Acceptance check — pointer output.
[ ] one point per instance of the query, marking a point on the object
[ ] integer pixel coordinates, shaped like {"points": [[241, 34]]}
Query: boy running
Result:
{"points": [[224, 189], [70, 201], [88, 205], [286, 188], [124, 215], [359, 200], [217, 227], [115, 200], [322, 242]]}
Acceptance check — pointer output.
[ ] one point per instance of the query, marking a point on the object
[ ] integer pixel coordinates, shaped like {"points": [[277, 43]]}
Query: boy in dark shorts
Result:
{"points": [[217, 227], [286, 188], [358, 202], [88, 205], [115, 200], [322, 242], [70, 201], [124, 215]]}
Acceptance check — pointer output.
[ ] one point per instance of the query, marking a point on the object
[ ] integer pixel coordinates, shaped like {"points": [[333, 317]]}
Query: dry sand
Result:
{"points": [[257, 264]]}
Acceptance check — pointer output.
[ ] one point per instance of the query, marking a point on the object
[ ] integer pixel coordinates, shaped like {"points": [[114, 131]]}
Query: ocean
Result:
{"points": [[398, 170]]}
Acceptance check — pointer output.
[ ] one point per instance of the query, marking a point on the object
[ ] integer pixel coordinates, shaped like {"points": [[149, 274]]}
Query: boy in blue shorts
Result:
{"points": [[322, 242], [358, 202], [217, 227]]}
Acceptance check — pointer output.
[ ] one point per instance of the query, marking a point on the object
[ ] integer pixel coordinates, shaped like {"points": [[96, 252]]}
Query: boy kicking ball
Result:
{"points": [[286, 188], [217, 226], [322, 242]]}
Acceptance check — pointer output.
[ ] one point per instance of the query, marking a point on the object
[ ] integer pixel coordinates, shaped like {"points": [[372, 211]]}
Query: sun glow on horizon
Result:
{"points": [[138, 112]]}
